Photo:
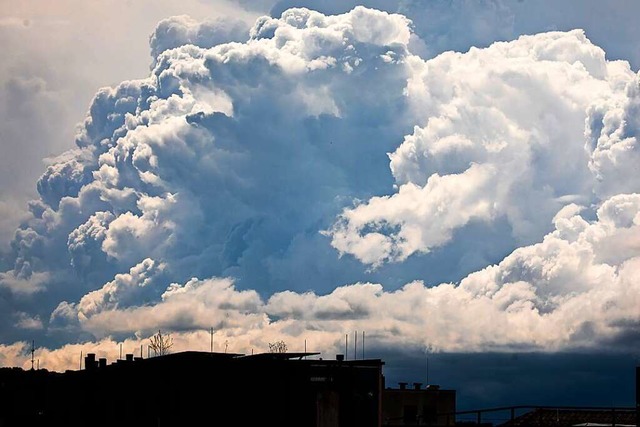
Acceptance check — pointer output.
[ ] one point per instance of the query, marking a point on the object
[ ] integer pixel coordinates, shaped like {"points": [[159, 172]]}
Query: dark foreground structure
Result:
{"points": [[418, 406], [566, 417], [268, 389], [214, 389], [198, 388]]}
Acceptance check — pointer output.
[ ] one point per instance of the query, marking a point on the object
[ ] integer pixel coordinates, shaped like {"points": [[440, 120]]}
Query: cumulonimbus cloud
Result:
{"points": [[503, 136], [193, 192], [566, 292]]}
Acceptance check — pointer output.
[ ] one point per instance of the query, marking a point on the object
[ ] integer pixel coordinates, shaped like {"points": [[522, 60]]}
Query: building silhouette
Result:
{"points": [[201, 388], [418, 406], [266, 389]]}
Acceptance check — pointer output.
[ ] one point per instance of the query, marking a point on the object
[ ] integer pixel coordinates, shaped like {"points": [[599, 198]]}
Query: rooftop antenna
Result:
{"points": [[355, 345], [80, 359], [346, 346], [211, 340], [426, 354], [120, 350], [362, 345], [427, 368], [38, 364], [140, 351], [305, 348], [33, 350]]}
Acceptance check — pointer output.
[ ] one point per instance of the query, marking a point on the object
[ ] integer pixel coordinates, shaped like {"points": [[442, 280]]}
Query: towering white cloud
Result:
{"points": [[55, 58], [221, 190], [566, 292], [223, 158], [180, 30], [612, 141], [502, 136]]}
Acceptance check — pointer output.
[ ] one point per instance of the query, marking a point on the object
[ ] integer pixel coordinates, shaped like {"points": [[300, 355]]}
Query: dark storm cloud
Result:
{"points": [[496, 379]]}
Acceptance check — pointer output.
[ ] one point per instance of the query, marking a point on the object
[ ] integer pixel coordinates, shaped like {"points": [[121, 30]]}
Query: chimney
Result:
{"points": [[416, 386], [403, 386], [339, 357], [129, 357], [90, 361], [102, 362]]}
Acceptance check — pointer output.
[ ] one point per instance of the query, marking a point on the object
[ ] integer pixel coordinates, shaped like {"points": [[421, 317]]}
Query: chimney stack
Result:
{"points": [[90, 361], [416, 386], [403, 386]]}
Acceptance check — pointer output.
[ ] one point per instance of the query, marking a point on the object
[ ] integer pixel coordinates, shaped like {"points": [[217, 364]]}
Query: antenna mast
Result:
{"points": [[355, 345], [346, 346], [33, 350], [427, 356]]}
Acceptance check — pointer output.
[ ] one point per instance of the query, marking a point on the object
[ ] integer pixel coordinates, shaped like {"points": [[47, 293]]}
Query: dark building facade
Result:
{"points": [[418, 406], [198, 388]]}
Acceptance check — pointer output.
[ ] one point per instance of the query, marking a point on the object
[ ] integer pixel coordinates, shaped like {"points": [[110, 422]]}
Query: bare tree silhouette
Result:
{"points": [[278, 347], [160, 344]]}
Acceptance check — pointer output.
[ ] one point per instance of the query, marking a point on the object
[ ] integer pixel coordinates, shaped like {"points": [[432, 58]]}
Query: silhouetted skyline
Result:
{"points": [[456, 178]]}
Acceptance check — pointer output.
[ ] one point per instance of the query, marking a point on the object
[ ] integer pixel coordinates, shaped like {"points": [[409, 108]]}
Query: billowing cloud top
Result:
{"points": [[304, 178]]}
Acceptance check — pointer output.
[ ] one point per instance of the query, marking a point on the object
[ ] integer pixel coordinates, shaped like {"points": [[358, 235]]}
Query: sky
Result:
{"points": [[458, 179]]}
